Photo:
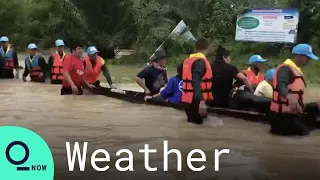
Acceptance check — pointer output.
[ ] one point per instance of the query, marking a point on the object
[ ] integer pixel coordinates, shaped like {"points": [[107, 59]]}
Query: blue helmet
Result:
{"points": [[256, 58]]}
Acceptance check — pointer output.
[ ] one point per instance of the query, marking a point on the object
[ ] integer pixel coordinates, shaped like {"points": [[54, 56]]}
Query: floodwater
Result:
{"points": [[111, 124]]}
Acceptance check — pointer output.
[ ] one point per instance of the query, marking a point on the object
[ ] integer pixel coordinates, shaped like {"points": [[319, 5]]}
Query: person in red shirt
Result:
{"points": [[73, 72]]}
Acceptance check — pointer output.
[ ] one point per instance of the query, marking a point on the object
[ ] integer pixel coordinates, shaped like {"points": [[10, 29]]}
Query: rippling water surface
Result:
{"points": [[114, 124]]}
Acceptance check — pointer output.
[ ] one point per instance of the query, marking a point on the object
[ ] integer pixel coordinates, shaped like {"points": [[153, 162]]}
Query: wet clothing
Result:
{"points": [[285, 77], [188, 94], [291, 124], [75, 67], [222, 83], [56, 67], [198, 71], [192, 112], [68, 90], [288, 80], [173, 91], [103, 68], [154, 78], [264, 89], [287, 124], [35, 66], [8, 55], [295, 89]]}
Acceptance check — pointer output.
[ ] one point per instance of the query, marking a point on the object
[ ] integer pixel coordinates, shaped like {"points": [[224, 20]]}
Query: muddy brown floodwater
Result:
{"points": [[111, 124]]}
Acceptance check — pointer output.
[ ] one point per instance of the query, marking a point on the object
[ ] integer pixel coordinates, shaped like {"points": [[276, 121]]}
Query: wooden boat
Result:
{"points": [[138, 97]]}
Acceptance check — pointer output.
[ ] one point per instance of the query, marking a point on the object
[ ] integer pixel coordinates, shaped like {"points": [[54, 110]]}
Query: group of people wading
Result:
{"points": [[198, 82], [62, 68]]}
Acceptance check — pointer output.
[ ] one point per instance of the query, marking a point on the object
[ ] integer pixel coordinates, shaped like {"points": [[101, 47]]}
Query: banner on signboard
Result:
{"points": [[268, 25]]}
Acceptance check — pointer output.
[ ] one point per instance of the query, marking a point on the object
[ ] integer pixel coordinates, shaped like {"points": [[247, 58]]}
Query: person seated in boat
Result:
{"points": [[254, 72], [265, 88], [35, 66], [94, 65], [55, 63], [287, 116], [224, 74], [172, 93], [153, 78], [9, 59], [73, 71]]}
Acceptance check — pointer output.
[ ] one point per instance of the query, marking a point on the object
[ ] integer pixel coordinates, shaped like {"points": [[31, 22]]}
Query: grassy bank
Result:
{"points": [[127, 73], [130, 65]]}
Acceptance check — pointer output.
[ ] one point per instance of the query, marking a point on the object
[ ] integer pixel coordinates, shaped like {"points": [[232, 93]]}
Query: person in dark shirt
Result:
{"points": [[173, 91], [200, 89], [223, 76], [10, 58], [35, 65], [152, 78], [288, 115]]}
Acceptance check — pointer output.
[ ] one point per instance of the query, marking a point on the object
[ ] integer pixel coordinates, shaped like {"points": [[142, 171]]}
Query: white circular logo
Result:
{"points": [[181, 85]]}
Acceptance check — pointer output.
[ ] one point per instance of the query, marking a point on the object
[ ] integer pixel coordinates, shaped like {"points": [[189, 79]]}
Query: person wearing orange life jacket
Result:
{"points": [[94, 65], [197, 82], [55, 63], [254, 72], [10, 59], [286, 117], [35, 66]]}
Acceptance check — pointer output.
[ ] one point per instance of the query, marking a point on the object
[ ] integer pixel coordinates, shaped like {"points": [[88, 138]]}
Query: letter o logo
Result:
{"points": [[25, 147]]}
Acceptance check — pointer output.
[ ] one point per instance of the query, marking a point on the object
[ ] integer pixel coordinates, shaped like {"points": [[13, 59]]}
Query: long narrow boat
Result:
{"points": [[138, 97]]}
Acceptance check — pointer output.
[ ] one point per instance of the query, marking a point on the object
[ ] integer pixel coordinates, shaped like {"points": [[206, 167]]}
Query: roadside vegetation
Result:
{"points": [[143, 24]]}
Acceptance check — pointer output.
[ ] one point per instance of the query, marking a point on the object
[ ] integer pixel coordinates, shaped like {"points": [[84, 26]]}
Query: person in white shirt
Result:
{"points": [[265, 88]]}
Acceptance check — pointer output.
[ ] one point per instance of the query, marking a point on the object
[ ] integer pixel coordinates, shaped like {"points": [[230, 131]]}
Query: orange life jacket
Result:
{"points": [[8, 57], [57, 67], [280, 103], [91, 74], [188, 92], [254, 79]]}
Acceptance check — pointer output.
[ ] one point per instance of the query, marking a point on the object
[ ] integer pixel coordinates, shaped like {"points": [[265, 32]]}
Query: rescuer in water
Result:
{"points": [[94, 65], [197, 82], [73, 71], [56, 63], [35, 66], [9, 60], [287, 108]]}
